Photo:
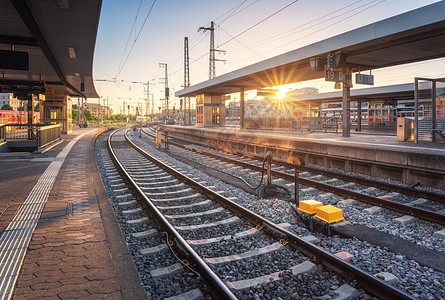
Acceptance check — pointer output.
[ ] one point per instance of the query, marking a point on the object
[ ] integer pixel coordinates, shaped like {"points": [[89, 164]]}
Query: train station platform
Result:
{"points": [[59, 236], [377, 155]]}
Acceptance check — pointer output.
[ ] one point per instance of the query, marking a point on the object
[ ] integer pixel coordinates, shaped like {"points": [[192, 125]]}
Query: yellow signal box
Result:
{"points": [[309, 206], [329, 214]]}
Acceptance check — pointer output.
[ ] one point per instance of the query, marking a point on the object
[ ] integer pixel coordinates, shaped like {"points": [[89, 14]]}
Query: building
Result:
{"points": [[8, 98], [95, 107], [302, 91]]}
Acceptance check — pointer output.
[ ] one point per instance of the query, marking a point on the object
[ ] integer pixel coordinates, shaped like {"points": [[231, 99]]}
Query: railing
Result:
{"points": [[21, 131], [303, 124], [41, 133], [48, 134], [324, 124]]}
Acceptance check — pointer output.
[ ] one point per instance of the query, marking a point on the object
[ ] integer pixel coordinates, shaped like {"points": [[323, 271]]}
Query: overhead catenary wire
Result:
{"points": [[136, 38], [231, 12], [323, 28], [258, 23], [129, 36], [305, 26], [234, 37], [350, 16]]}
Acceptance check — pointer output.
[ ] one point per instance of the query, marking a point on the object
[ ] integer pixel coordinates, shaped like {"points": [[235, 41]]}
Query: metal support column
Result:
{"points": [[346, 126], [30, 107], [359, 115], [416, 110], [241, 108], [433, 112]]}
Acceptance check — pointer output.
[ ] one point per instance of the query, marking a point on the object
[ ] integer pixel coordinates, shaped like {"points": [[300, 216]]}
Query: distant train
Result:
{"points": [[13, 116]]}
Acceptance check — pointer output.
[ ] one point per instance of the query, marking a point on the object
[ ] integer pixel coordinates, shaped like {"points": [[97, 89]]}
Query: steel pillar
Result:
{"points": [[346, 119], [241, 108]]}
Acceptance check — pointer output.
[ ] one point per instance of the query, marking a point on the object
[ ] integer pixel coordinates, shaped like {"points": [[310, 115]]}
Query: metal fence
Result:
{"points": [[303, 124], [41, 133], [48, 134], [21, 131]]}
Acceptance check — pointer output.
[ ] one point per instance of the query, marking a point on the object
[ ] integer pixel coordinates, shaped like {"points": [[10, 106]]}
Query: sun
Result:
{"points": [[281, 92]]}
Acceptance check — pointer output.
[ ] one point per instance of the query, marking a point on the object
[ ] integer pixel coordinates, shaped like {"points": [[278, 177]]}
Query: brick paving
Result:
{"points": [[18, 180], [70, 255]]}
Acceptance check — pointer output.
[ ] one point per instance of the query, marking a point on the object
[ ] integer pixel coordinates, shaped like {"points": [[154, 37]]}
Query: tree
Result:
{"points": [[75, 116], [37, 107], [89, 116], [6, 107]]}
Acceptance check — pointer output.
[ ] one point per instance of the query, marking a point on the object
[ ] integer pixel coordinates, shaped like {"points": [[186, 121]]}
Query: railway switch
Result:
{"points": [[329, 214], [309, 206]]}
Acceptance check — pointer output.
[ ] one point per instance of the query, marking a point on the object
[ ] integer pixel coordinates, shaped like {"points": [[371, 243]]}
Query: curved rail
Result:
{"points": [[395, 206], [218, 287], [372, 284]]}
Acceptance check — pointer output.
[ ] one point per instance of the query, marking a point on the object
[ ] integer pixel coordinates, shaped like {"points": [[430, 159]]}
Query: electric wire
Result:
{"points": [[321, 29], [335, 23], [240, 41], [233, 11], [258, 23], [129, 36], [137, 36], [302, 27]]}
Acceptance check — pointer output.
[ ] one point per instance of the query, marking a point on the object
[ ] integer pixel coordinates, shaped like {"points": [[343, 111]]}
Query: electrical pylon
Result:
{"points": [[167, 90], [212, 59], [187, 108]]}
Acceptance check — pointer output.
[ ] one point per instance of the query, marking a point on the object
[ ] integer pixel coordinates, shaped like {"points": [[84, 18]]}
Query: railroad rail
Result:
{"points": [[392, 205], [209, 276], [371, 283]]}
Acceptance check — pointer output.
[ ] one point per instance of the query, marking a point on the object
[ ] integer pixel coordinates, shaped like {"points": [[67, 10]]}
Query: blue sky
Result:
{"points": [[161, 39]]}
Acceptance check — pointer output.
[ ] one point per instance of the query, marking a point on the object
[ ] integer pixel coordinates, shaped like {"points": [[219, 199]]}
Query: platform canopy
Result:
{"points": [[59, 37], [394, 92], [417, 35]]}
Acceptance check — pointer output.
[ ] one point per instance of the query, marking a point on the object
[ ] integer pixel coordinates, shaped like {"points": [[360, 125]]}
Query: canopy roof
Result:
{"points": [[417, 35], [59, 36]]}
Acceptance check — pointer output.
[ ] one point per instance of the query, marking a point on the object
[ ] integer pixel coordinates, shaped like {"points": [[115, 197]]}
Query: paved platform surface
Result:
{"points": [[363, 139], [370, 154], [77, 250]]}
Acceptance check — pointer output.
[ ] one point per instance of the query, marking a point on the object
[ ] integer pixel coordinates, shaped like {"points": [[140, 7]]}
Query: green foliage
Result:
{"points": [[37, 107], [6, 107], [89, 116], [75, 116]]}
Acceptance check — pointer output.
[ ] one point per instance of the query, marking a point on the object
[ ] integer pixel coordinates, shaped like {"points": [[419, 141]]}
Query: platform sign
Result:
{"points": [[364, 79], [335, 76], [49, 91]]}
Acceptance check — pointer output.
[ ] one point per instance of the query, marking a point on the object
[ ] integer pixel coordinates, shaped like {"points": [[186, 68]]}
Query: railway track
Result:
{"points": [[418, 203], [215, 235]]}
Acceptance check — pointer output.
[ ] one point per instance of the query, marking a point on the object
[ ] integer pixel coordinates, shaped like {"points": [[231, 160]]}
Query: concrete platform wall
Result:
{"points": [[405, 165]]}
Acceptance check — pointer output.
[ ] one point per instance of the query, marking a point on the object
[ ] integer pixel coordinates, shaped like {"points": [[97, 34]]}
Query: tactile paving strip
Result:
{"points": [[16, 237]]}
